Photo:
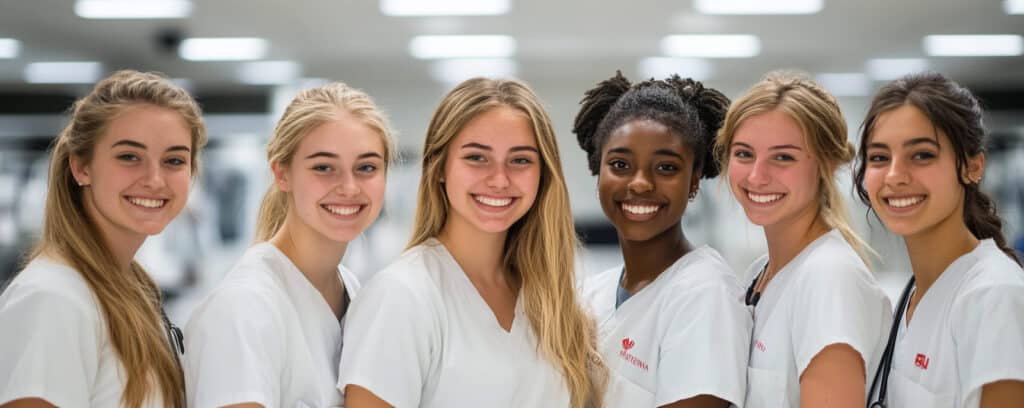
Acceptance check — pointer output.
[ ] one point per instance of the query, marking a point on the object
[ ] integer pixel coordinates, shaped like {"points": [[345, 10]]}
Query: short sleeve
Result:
{"points": [[988, 331], [49, 347], [837, 304], [706, 346], [391, 342], [234, 350]]}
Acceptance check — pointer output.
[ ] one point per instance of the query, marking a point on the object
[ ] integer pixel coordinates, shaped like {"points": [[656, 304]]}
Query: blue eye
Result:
{"points": [[521, 160], [321, 168], [742, 154], [176, 161], [367, 168], [475, 158], [128, 157], [784, 157]]}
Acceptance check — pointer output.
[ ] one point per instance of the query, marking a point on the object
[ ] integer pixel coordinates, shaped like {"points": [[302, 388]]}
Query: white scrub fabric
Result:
{"points": [[265, 335], [420, 335], [684, 334], [966, 331], [824, 296], [54, 342]]}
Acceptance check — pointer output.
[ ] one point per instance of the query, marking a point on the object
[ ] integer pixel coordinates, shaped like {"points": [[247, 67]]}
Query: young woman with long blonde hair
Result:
{"points": [[270, 334], [480, 311], [819, 315], [82, 323]]}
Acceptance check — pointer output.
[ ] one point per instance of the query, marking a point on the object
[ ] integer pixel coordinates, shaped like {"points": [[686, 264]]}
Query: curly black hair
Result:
{"points": [[684, 106]]}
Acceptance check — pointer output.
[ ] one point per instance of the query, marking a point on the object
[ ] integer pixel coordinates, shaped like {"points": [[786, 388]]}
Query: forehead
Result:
{"points": [[904, 123], [772, 128], [343, 136], [642, 134], [500, 128], [153, 126]]}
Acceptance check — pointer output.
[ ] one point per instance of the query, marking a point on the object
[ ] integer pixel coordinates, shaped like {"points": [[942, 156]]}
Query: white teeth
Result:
{"points": [[763, 198], [639, 209], [145, 202], [493, 202], [342, 209], [904, 202]]}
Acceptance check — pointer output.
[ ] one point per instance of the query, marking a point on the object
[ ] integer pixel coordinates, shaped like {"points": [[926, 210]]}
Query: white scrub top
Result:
{"points": [[824, 296], [265, 335], [967, 331], [685, 334], [54, 342], [420, 335]]}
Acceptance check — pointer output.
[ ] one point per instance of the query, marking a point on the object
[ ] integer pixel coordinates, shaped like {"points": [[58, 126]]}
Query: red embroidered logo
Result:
{"points": [[921, 361], [627, 344], [760, 346]]}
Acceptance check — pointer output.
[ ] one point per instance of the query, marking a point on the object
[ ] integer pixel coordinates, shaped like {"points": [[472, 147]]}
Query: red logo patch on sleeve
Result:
{"points": [[627, 343], [921, 361]]}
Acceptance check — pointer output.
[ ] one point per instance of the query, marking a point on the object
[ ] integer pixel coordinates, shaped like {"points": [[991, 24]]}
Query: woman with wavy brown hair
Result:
{"points": [[82, 323], [481, 310]]}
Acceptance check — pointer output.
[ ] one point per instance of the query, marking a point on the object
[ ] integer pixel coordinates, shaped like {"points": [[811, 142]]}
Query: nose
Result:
{"points": [[759, 173], [897, 174], [347, 186], [154, 176], [640, 183], [498, 179]]}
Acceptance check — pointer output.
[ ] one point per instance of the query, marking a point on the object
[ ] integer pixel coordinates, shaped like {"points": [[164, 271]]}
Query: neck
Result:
{"points": [[787, 239], [646, 260], [933, 250], [479, 253], [313, 254]]}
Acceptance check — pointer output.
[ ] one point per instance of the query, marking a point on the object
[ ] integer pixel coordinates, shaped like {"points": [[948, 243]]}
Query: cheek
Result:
{"points": [[529, 180], [375, 187]]}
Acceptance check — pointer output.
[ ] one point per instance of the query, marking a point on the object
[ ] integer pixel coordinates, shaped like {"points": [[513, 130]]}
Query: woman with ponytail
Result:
{"points": [[480, 311], [819, 316], [672, 332], [960, 340], [270, 334], [82, 323]]}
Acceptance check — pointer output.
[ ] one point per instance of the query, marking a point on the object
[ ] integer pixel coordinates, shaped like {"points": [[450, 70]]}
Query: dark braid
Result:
{"points": [[684, 106], [952, 109]]}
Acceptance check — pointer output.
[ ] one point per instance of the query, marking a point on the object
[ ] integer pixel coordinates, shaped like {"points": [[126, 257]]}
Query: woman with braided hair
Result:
{"points": [[672, 331], [819, 316]]}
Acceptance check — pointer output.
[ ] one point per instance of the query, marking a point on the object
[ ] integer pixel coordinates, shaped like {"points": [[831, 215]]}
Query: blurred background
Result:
{"points": [[244, 60]]}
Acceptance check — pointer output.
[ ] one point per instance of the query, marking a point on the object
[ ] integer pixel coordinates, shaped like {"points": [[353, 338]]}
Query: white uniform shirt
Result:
{"points": [[54, 342], [420, 335], [967, 331], [824, 296], [265, 335], [685, 334]]}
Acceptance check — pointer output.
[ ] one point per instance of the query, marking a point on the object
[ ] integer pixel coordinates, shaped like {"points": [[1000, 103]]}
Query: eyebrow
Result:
{"points": [[660, 152], [135, 144], [909, 143], [474, 145], [779, 147], [330, 155]]}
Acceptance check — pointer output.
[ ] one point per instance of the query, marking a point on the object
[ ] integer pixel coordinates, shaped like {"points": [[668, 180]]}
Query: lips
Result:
{"points": [[766, 198], [493, 201], [149, 203], [904, 202], [640, 209], [342, 209]]}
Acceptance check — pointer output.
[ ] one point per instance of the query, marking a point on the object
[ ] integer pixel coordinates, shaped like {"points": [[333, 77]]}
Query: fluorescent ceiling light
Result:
{"points": [[759, 6], [711, 46], [845, 84], [886, 69], [974, 45], [661, 67], [9, 48], [132, 9], [63, 72], [453, 71], [405, 8], [462, 46], [1013, 6], [269, 72], [223, 49]]}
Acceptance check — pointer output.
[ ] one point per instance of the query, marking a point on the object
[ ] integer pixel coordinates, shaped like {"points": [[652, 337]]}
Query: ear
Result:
{"points": [[281, 176], [79, 170], [975, 169]]}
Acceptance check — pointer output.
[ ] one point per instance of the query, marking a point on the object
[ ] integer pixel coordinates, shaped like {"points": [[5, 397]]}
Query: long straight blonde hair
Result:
{"points": [[540, 248], [821, 121], [308, 110], [130, 303]]}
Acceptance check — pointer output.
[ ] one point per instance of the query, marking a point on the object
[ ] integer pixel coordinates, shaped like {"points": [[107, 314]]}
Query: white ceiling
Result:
{"points": [[575, 42]]}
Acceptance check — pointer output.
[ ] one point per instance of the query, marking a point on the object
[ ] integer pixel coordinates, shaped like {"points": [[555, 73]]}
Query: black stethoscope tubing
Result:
{"points": [[881, 380]]}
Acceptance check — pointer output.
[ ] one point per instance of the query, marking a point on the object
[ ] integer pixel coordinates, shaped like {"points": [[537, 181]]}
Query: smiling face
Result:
{"points": [[336, 179], [645, 179], [771, 170], [138, 177], [492, 171], [911, 176]]}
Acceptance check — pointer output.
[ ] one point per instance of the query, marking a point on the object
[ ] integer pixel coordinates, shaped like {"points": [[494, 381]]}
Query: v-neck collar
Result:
{"points": [[678, 265], [301, 290], [484, 311]]}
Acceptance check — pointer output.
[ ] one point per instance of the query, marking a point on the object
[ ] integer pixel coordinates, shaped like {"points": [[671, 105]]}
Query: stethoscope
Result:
{"points": [[881, 380]]}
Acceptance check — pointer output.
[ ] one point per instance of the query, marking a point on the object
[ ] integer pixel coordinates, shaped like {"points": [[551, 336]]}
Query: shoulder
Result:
{"points": [[600, 281], [249, 289], [992, 278], [52, 285], [412, 280], [832, 261], [702, 268]]}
